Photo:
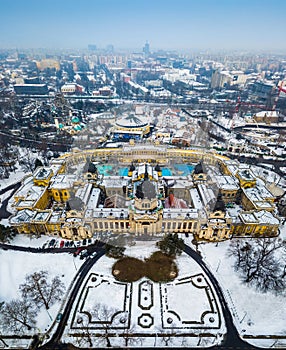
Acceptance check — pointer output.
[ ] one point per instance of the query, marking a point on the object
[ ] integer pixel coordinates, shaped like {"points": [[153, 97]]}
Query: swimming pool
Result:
{"points": [[166, 172], [184, 169], [105, 169], [123, 171]]}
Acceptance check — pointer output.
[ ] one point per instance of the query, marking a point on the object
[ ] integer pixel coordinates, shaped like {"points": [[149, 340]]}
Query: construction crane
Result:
{"points": [[282, 88], [239, 104]]}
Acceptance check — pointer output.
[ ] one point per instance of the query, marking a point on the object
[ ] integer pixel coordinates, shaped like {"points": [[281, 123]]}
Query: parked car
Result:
{"points": [[76, 253], [62, 243], [77, 243], [84, 254], [52, 242]]}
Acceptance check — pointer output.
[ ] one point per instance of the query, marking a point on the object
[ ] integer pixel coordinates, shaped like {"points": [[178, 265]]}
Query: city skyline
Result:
{"points": [[184, 24]]}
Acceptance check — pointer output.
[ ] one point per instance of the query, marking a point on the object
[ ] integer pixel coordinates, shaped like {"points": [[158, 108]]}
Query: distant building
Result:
{"points": [[110, 48], [48, 63], [92, 47], [32, 80], [31, 89], [221, 78], [72, 89], [130, 127], [267, 117], [146, 49], [261, 90]]}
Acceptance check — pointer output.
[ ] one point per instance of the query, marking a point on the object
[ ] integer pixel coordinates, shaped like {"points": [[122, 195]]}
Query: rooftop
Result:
{"points": [[63, 181], [131, 121], [42, 173], [227, 182]]}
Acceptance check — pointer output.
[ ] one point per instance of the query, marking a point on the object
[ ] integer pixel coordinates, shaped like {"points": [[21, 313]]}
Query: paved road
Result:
{"points": [[4, 214], [10, 187], [54, 342], [232, 339]]}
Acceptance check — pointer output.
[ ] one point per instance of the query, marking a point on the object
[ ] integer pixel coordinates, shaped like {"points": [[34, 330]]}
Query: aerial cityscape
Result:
{"points": [[142, 174]]}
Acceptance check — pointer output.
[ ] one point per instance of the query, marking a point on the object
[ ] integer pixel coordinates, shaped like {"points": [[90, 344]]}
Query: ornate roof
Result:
{"points": [[131, 121]]}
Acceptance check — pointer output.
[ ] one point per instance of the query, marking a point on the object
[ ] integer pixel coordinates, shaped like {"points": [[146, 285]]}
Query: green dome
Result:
{"points": [[75, 120]]}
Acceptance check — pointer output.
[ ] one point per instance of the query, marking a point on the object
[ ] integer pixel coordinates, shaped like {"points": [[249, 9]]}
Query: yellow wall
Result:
{"points": [[60, 195], [257, 230], [245, 183], [43, 182], [43, 200]]}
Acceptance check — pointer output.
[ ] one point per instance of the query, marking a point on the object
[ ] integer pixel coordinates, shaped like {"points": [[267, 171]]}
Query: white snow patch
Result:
{"points": [[254, 312]]}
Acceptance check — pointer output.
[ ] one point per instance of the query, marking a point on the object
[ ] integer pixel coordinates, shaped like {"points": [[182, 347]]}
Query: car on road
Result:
{"points": [[84, 254], [76, 253], [59, 317], [62, 243]]}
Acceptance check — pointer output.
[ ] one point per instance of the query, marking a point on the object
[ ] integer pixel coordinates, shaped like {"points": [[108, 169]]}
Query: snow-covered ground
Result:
{"points": [[254, 313], [186, 306], [14, 177], [15, 265]]}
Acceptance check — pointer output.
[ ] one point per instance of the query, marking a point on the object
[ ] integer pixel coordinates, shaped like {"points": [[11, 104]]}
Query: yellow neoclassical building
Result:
{"points": [[142, 189]]}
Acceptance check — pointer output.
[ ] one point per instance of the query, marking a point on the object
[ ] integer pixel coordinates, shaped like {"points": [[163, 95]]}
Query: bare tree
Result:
{"points": [[18, 315], [204, 340], [260, 262], [40, 290], [103, 314], [27, 162], [86, 337], [2, 325], [129, 338], [167, 336]]}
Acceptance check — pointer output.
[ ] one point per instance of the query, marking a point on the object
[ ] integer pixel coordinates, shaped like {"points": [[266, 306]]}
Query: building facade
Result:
{"points": [[143, 189]]}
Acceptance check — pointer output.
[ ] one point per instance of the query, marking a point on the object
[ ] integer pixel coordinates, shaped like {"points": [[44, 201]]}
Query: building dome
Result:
{"points": [[130, 122], [75, 120]]}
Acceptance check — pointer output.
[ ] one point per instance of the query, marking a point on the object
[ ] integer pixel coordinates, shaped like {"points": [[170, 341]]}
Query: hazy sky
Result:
{"points": [[166, 24]]}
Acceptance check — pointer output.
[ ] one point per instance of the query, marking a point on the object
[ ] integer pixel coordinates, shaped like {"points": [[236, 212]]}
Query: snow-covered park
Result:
{"points": [[16, 265], [153, 314], [254, 313]]}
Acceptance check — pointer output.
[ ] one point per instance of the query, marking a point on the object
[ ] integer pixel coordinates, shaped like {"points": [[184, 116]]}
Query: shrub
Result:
{"points": [[128, 269], [161, 267]]}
